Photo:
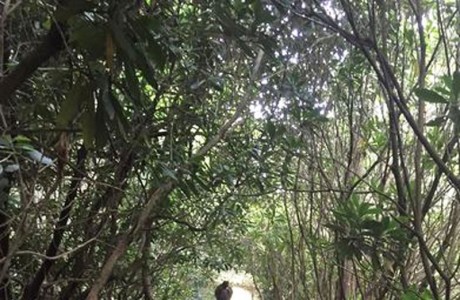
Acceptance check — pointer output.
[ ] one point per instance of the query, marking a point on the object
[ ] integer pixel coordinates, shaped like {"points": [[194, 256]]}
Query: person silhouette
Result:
{"points": [[223, 291]]}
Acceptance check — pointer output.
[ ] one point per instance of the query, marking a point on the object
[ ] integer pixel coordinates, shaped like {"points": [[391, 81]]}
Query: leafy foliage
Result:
{"points": [[148, 145]]}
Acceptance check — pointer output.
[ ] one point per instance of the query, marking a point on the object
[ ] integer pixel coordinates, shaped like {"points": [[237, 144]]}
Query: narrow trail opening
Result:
{"points": [[241, 283]]}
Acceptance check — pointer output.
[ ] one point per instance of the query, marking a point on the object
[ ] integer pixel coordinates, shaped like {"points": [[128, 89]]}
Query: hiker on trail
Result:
{"points": [[223, 291]]}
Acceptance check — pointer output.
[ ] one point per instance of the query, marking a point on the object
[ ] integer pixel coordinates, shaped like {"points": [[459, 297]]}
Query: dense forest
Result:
{"points": [[148, 145]]}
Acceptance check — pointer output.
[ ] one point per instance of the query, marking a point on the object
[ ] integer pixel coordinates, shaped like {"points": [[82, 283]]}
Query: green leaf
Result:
{"points": [[107, 101], [156, 53], [430, 96], [102, 134], [386, 222], [436, 122], [217, 83], [442, 91], [21, 139], [169, 173], [426, 295], [456, 85], [375, 227], [271, 128], [121, 119], [280, 6], [200, 182], [147, 29], [72, 8], [192, 187], [197, 84], [131, 50], [454, 114], [344, 249], [261, 15], [6, 140], [24, 146], [80, 92], [184, 188], [89, 37], [88, 126], [447, 81], [413, 294], [335, 227], [230, 26], [410, 296], [132, 83], [244, 46]]}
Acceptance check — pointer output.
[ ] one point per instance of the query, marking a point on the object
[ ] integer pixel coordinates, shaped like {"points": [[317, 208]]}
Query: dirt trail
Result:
{"points": [[242, 285], [241, 293]]}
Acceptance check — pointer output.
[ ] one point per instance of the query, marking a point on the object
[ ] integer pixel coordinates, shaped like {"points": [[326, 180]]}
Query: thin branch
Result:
{"points": [[32, 289], [161, 192]]}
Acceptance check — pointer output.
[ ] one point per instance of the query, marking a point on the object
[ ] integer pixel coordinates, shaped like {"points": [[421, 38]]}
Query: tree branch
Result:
{"points": [[50, 46], [162, 191], [32, 289]]}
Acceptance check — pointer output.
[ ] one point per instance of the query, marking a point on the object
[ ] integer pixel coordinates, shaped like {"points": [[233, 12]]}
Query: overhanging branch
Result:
{"points": [[52, 43]]}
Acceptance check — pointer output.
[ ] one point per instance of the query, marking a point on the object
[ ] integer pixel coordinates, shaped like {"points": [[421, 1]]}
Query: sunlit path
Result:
{"points": [[241, 283], [241, 294]]}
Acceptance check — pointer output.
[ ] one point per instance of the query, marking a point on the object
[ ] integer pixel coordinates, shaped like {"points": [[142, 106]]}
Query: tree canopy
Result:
{"points": [[147, 145]]}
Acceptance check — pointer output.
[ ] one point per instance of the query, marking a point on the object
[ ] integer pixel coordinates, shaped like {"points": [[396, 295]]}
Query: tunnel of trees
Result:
{"points": [[147, 145]]}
